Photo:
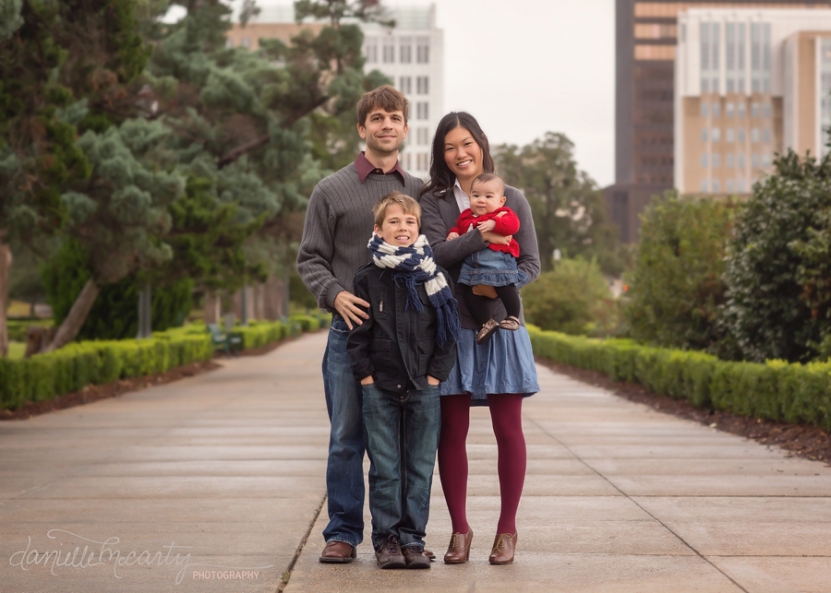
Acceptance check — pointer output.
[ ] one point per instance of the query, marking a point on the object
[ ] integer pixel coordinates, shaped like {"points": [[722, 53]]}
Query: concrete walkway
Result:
{"points": [[212, 483]]}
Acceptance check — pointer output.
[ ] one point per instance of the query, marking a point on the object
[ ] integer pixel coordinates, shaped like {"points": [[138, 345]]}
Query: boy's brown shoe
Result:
{"points": [[388, 554], [415, 558]]}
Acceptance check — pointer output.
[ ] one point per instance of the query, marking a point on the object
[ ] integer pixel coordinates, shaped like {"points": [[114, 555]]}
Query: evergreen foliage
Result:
{"points": [[776, 305], [676, 289]]}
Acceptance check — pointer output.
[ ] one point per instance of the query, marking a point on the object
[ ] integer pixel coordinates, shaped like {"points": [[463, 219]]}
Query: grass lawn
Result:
{"points": [[17, 349]]}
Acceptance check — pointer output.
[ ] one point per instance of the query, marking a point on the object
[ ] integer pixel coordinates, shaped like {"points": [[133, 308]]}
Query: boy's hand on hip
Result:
{"points": [[432, 381], [348, 306], [367, 380]]}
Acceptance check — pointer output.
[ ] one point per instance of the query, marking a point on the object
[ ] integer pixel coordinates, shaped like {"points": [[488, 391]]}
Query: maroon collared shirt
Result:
{"points": [[364, 168]]}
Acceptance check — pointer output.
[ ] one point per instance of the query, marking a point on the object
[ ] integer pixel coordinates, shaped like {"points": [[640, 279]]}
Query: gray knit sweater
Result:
{"points": [[338, 227]]}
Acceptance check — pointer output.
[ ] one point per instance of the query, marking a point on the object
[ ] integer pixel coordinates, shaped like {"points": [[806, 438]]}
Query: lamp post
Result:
{"points": [[145, 325]]}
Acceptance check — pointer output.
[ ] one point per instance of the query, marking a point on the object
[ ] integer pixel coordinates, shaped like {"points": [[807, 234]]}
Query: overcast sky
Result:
{"points": [[526, 67]]}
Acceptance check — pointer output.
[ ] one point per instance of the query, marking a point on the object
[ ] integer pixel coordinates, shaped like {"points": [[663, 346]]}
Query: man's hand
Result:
{"points": [[432, 380], [496, 238], [486, 226], [453, 235], [484, 290], [368, 380], [348, 306]]}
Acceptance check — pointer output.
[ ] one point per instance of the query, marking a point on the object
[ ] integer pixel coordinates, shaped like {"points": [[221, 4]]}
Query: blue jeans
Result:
{"points": [[345, 469], [402, 438]]}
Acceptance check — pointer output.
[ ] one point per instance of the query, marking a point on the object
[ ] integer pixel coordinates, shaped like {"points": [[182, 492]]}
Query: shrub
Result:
{"points": [[766, 309], [676, 289], [776, 389], [573, 298]]}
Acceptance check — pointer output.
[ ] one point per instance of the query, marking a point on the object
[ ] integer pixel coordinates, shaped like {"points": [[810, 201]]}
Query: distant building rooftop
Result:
{"points": [[406, 17]]}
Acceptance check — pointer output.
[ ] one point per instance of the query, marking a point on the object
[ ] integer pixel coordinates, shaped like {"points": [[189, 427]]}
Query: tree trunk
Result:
{"points": [[5, 267], [273, 299], [213, 308], [76, 318]]}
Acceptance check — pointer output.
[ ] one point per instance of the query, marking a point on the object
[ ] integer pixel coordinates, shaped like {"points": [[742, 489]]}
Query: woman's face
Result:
{"points": [[462, 154]]}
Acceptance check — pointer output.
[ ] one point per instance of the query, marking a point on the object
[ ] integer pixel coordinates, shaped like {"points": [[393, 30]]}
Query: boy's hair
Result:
{"points": [[408, 205], [485, 177], [384, 97]]}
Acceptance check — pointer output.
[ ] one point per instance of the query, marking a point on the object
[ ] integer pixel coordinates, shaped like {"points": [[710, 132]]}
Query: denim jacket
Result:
{"points": [[397, 347]]}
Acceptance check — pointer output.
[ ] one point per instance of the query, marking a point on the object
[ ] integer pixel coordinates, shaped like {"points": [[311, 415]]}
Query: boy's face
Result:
{"points": [[398, 229], [384, 131], [486, 196]]}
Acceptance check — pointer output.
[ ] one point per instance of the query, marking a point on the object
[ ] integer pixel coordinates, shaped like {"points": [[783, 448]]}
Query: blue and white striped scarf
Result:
{"points": [[415, 265]]}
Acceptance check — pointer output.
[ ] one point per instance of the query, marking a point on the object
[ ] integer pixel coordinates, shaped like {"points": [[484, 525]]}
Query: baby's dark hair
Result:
{"points": [[485, 177]]}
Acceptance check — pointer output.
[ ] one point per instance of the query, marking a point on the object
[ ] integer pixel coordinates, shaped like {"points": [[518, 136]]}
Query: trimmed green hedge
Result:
{"points": [[775, 390], [17, 328], [77, 365]]}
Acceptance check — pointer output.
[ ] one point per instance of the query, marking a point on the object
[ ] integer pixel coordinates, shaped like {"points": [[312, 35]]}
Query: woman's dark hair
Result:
{"points": [[441, 177]]}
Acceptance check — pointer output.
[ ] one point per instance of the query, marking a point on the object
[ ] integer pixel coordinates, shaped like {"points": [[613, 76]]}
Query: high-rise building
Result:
{"points": [[411, 54], [748, 84], [646, 39]]}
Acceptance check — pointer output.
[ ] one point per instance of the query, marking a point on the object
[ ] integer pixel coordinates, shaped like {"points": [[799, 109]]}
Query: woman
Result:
{"points": [[499, 373]]}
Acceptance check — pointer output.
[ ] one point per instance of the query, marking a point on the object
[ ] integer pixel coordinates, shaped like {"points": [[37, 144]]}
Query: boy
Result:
{"points": [[400, 354]]}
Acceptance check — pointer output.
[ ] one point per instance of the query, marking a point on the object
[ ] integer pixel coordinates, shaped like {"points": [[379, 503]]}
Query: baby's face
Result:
{"points": [[486, 197]]}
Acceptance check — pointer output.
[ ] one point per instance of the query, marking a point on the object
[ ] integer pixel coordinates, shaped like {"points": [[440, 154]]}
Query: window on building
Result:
{"points": [[716, 186], [229, 42], [729, 136], [405, 50], [740, 161], [704, 134], [704, 34], [767, 109], [423, 136], [729, 186], [766, 136], [740, 135], [740, 59], [730, 111], [716, 109], [754, 135], [766, 160], [246, 42], [422, 110], [740, 186], [716, 160], [730, 56], [704, 186], [423, 85], [705, 109], [389, 53], [716, 134], [704, 160], [754, 110], [755, 161], [729, 161], [423, 50], [741, 109], [371, 53], [406, 85]]}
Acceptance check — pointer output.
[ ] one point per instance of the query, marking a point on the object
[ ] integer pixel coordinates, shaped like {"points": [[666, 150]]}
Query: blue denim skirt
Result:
{"points": [[492, 268], [503, 364]]}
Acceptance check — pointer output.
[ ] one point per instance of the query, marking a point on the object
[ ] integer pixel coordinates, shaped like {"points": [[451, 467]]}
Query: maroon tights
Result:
{"points": [[506, 417]]}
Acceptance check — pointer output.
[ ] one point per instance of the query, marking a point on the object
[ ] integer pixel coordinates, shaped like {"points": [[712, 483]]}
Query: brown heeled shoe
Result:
{"points": [[458, 552], [503, 550]]}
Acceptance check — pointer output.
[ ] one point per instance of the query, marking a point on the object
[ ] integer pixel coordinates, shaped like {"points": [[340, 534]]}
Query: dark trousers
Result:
{"points": [[479, 306]]}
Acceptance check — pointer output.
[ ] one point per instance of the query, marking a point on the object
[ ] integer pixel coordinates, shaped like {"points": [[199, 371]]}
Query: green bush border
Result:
{"points": [[775, 390], [77, 365]]}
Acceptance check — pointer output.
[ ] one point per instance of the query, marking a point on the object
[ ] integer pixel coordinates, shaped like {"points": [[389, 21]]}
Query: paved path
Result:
{"points": [[229, 465]]}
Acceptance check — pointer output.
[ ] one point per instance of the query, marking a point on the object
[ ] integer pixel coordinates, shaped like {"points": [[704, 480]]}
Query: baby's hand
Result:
{"points": [[486, 226], [453, 235], [501, 214]]}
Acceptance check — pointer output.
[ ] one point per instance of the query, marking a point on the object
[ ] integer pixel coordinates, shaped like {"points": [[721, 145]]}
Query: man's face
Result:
{"points": [[384, 132], [398, 229]]}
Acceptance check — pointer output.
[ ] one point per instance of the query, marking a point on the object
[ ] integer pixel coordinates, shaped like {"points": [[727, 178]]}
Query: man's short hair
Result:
{"points": [[408, 205], [384, 97], [486, 177]]}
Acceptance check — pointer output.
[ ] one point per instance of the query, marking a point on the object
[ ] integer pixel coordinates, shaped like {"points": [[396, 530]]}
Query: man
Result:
{"points": [[337, 229]]}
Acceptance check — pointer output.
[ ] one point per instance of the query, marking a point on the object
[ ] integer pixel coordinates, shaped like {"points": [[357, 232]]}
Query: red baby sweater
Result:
{"points": [[505, 225]]}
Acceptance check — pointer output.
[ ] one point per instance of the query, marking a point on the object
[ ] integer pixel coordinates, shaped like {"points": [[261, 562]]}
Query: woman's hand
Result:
{"points": [[453, 235], [496, 238], [486, 226]]}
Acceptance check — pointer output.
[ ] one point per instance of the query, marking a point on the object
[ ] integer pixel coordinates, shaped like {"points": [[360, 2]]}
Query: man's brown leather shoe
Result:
{"points": [[458, 552], [338, 553], [415, 558], [503, 548]]}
